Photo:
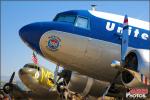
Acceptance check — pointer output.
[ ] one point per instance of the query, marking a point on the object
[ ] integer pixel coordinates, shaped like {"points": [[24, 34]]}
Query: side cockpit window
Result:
{"points": [[82, 22], [65, 18]]}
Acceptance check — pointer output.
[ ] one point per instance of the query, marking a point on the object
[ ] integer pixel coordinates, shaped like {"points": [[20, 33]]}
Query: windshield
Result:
{"points": [[31, 66], [65, 18]]}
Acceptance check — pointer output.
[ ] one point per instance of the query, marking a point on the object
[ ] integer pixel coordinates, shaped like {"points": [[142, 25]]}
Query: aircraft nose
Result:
{"points": [[31, 35]]}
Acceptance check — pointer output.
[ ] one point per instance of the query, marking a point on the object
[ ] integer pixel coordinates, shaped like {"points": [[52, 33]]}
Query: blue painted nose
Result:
{"points": [[31, 35]]}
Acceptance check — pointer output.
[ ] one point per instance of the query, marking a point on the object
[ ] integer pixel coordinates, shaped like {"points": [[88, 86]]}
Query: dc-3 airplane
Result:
{"points": [[37, 79], [107, 54]]}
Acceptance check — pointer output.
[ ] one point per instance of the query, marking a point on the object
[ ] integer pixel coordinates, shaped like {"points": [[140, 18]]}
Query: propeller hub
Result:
{"points": [[8, 87]]}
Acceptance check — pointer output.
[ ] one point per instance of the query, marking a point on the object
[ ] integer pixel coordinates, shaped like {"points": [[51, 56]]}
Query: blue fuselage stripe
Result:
{"points": [[138, 38], [100, 29]]}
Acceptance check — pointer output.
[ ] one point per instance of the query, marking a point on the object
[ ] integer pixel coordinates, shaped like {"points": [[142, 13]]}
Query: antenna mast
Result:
{"points": [[93, 7]]}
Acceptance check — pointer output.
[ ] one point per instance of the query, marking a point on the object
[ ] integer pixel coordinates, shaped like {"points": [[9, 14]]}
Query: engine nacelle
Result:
{"points": [[135, 82], [86, 85], [137, 61]]}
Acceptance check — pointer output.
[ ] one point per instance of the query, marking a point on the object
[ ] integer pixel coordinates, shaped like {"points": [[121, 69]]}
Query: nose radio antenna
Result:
{"points": [[93, 7]]}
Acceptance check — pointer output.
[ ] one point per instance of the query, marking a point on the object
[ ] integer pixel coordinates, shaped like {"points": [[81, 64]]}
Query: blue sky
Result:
{"points": [[15, 14]]}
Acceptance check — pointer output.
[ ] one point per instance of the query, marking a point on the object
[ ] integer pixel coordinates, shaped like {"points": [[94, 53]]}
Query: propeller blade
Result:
{"points": [[124, 48], [124, 44], [112, 82], [12, 77], [56, 73]]}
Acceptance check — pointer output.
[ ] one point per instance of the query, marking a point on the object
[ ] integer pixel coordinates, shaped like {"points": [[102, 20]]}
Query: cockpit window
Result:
{"points": [[31, 66], [65, 18], [82, 22]]}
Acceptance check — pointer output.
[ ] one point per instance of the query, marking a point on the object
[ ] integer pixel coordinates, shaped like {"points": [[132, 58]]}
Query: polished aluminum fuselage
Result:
{"points": [[86, 55]]}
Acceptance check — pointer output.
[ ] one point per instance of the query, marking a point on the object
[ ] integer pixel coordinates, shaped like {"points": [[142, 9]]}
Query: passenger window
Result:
{"points": [[82, 22]]}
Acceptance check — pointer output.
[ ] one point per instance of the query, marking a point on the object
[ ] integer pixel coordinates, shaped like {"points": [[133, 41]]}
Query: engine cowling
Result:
{"points": [[86, 86], [137, 62]]}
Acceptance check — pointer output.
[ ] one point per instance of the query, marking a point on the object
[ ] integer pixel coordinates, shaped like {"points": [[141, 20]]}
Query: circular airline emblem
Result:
{"points": [[53, 43]]}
